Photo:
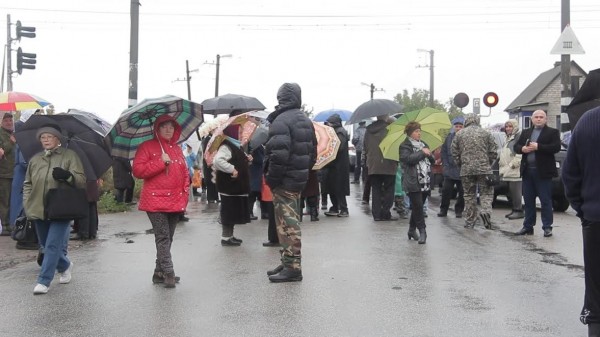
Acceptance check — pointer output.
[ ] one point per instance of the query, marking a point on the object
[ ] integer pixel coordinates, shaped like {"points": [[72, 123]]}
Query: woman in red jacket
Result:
{"points": [[161, 164]]}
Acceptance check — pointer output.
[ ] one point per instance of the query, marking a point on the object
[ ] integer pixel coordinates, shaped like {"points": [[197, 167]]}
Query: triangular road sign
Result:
{"points": [[567, 43]]}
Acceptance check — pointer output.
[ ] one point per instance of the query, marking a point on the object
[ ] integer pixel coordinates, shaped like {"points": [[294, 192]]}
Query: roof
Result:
{"points": [[528, 96]]}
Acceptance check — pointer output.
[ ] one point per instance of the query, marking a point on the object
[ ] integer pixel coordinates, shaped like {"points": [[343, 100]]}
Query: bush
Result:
{"points": [[108, 204]]}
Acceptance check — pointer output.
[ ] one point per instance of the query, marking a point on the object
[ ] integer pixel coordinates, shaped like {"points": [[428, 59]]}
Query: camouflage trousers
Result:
{"points": [[287, 219], [5, 188], [486, 196], [164, 225]]}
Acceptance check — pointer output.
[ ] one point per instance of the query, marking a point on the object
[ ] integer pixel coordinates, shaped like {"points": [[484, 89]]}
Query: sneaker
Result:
{"points": [[40, 289], [230, 242], [234, 239], [332, 212], [547, 232], [65, 276], [343, 214]]}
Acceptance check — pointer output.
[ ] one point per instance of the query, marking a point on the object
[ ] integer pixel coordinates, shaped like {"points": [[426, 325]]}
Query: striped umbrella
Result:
{"points": [[17, 101], [135, 125]]}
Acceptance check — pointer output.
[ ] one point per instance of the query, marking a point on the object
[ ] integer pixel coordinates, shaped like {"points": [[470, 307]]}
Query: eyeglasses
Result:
{"points": [[47, 137]]}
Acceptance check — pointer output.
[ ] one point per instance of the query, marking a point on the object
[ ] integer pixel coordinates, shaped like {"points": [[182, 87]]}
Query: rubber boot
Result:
{"points": [[314, 214]]}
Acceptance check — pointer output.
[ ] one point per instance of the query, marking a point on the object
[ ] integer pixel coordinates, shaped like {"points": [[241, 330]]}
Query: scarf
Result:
{"points": [[423, 167]]}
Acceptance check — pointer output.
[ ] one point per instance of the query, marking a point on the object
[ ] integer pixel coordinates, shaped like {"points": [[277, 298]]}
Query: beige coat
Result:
{"points": [[510, 162]]}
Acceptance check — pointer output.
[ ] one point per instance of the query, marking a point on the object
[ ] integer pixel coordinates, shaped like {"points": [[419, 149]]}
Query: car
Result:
{"points": [[559, 199]]}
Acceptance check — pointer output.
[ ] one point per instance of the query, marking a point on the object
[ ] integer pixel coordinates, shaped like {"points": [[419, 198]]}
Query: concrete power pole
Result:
{"points": [[565, 62], [8, 55], [133, 53]]}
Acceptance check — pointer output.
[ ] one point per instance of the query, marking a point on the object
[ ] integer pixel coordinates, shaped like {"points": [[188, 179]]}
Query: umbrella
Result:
{"points": [[248, 125], [135, 125], [373, 108], [328, 145], [92, 120], [227, 103], [77, 136], [432, 121], [587, 98], [323, 115], [17, 101]]}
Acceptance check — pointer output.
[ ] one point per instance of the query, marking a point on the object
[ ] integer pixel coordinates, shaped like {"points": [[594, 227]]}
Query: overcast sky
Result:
{"points": [[328, 47]]}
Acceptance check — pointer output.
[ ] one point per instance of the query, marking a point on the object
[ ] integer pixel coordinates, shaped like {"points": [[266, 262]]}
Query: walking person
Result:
{"points": [[382, 171], [538, 144], [509, 169], [338, 171], [451, 174], [165, 193], [290, 153], [358, 141], [233, 184], [474, 150], [416, 159], [582, 188], [45, 171]]}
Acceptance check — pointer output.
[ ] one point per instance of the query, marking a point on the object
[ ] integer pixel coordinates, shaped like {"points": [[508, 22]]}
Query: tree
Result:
{"points": [[419, 99]]}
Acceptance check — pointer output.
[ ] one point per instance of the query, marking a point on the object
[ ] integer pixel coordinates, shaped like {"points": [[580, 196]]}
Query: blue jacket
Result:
{"points": [[451, 170]]}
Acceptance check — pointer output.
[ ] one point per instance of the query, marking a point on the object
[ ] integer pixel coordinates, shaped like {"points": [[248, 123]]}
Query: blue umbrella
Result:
{"points": [[323, 115]]}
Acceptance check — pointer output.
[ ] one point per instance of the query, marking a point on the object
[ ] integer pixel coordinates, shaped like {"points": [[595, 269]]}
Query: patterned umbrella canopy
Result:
{"points": [[17, 101], [328, 145], [135, 125], [248, 125]]}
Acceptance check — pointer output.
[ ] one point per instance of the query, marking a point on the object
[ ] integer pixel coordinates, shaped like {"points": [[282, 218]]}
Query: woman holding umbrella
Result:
{"points": [[161, 164], [416, 160], [45, 171]]}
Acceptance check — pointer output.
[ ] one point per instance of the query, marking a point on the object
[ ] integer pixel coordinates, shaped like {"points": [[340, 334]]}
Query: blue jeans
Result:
{"points": [[53, 236], [534, 186]]}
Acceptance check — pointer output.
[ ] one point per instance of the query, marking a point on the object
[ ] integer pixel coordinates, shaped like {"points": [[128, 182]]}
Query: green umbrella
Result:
{"points": [[433, 123]]}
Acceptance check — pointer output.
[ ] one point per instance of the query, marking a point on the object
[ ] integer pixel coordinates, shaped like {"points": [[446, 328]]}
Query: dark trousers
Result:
{"points": [[87, 228], [124, 194], [272, 230], [366, 185], [357, 166], [534, 186], [211, 191], [382, 186], [591, 262], [447, 189], [338, 201], [417, 216], [164, 225]]}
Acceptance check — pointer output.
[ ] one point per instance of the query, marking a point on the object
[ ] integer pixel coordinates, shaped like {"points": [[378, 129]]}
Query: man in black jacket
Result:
{"points": [[538, 144], [290, 152]]}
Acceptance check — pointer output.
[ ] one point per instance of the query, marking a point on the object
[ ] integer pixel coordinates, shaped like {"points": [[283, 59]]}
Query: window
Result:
{"points": [[526, 122]]}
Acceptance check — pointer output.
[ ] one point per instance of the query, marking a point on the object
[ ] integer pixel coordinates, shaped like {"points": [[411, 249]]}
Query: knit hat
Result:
{"points": [[458, 120], [411, 127], [51, 129]]}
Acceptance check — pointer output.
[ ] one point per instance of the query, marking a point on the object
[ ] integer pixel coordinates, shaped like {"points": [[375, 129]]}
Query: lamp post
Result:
{"points": [[430, 66], [372, 87], [218, 64]]}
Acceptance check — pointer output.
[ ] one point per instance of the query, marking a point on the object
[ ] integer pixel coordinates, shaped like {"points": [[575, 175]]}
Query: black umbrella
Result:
{"points": [[373, 108], [587, 98], [92, 120], [225, 104], [77, 136]]}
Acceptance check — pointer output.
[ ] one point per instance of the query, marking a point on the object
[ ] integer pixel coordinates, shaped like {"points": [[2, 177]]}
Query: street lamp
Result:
{"points": [[430, 73], [218, 64], [373, 89]]}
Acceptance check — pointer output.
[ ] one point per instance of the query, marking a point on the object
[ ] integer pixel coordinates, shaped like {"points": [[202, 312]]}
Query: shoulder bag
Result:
{"points": [[66, 202]]}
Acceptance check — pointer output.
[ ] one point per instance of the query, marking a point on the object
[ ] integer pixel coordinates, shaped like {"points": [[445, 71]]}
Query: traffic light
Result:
{"points": [[25, 60], [24, 31], [461, 100], [490, 99]]}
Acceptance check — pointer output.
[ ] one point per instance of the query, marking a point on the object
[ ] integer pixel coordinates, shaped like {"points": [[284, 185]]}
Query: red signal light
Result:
{"points": [[490, 99]]}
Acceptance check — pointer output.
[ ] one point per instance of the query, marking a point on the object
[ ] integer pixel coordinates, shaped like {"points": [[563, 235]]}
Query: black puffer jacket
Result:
{"points": [[290, 150]]}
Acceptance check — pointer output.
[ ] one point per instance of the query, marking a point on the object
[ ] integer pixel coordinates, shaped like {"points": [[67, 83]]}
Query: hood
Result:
{"points": [[514, 124], [289, 96], [377, 126], [165, 118], [471, 119], [334, 121]]}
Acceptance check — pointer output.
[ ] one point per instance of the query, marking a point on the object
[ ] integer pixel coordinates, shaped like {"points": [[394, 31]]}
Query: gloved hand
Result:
{"points": [[58, 173]]}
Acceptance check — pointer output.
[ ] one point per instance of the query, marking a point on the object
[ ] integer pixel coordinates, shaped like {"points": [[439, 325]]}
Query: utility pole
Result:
{"points": [[187, 79], [133, 53], [218, 63], [430, 66], [565, 62], [8, 55], [372, 88]]}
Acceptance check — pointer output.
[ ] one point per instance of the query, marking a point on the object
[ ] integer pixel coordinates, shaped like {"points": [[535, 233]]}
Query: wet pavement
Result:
{"points": [[361, 278]]}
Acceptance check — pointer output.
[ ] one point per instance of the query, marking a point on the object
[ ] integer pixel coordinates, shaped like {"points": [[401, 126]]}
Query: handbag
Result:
{"points": [[66, 203], [24, 231]]}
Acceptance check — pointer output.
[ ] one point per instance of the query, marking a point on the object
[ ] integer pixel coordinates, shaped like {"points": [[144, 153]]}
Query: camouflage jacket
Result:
{"points": [[7, 163], [474, 150]]}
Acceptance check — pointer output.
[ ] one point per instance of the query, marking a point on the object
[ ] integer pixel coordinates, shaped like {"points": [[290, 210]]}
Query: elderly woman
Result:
{"points": [[45, 171], [510, 164], [416, 160], [161, 164], [233, 184]]}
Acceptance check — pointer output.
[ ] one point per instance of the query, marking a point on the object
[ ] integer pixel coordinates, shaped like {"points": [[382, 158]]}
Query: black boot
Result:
{"points": [[287, 275], [422, 236], [275, 270], [594, 330], [314, 214], [412, 234]]}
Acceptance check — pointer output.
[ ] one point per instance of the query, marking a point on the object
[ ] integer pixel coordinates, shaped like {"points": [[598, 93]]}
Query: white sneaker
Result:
{"points": [[65, 276], [40, 289]]}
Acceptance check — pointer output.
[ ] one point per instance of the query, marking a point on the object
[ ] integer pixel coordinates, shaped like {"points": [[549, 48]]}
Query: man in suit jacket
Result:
{"points": [[538, 144]]}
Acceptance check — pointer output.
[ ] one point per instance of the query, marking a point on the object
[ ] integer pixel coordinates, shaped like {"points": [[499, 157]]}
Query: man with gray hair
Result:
{"points": [[474, 150]]}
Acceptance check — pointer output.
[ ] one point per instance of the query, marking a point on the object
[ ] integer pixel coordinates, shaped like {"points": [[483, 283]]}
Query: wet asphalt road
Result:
{"points": [[361, 278]]}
